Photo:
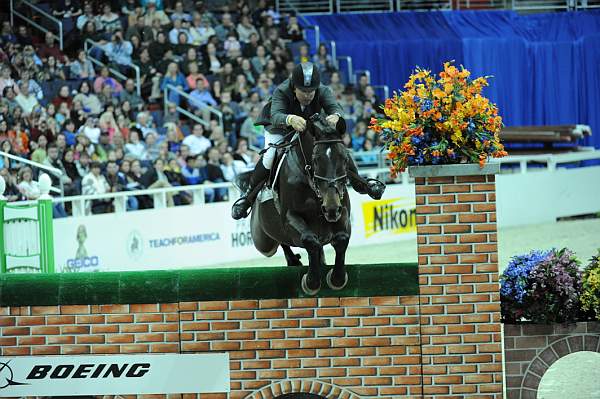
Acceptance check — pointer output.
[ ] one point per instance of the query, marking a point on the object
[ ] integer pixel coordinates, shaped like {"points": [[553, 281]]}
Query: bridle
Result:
{"points": [[311, 177]]}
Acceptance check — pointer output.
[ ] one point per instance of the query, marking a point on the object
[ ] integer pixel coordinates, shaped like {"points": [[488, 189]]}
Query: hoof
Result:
{"points": [[330, 283], [305, 288], [295, 260]]}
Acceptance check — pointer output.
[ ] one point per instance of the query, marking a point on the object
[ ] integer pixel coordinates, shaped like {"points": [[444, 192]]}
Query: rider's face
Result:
{"points": [[304, 97]]}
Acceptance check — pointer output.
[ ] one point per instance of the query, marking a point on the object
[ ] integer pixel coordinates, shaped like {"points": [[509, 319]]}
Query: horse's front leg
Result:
{"points": [[337, 278], [311, 281]]}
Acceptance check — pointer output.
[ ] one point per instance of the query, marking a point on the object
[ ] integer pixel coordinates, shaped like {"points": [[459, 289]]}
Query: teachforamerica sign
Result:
{"points": [[114, 375]]}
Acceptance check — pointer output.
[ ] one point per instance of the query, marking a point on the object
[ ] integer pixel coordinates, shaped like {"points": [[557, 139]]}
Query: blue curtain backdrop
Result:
{"points": [[546, 67]]}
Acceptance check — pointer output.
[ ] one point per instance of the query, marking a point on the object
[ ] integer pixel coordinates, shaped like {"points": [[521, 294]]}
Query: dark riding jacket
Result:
{"points": [[283, 103]]}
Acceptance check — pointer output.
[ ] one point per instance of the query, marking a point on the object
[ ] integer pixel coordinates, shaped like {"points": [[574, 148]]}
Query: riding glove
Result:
{"points": [[297, 122]]}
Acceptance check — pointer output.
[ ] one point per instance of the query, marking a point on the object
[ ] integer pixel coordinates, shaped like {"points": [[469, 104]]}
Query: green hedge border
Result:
{"points": [[169, 286]]}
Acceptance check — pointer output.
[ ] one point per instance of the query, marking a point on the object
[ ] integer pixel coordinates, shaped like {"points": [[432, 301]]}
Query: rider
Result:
{"points": [[292, 103]]}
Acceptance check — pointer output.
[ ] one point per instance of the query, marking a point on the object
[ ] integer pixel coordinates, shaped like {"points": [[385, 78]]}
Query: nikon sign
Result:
{"points": [[114, 375]]}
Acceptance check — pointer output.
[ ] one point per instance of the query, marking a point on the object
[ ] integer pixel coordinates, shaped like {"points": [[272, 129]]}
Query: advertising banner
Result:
{"points": [[204, 235], [113, 375]]}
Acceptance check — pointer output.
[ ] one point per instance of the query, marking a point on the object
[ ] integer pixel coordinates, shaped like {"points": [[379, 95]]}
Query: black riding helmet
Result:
{"points": [[306, 76]]}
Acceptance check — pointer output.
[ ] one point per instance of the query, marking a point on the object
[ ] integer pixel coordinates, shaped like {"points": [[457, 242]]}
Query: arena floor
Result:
{"points": [[574, 376]]}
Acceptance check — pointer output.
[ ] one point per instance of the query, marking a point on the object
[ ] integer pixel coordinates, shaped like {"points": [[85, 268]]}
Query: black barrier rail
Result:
{"points": [[168, 286]]}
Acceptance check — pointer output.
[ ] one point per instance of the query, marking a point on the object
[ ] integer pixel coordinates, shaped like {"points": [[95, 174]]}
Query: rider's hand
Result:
{"points": [[333, 119], [297, 122]]}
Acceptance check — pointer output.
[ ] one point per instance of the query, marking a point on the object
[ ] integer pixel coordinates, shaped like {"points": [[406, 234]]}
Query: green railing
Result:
{"points": [[197, 285]]}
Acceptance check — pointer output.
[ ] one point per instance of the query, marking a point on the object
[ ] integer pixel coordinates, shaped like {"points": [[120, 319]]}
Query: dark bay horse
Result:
{"points": [[313, 207]]}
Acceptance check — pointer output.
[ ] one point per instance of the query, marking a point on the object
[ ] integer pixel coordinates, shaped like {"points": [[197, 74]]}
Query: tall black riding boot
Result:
{"points": [[373, 187], [240, 208]]}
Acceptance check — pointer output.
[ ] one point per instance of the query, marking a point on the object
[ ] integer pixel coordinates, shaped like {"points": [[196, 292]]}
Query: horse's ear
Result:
{"points": [[340, 127]]}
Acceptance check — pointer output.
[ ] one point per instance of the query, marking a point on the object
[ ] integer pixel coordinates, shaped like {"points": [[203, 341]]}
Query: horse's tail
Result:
{"points": [[242, 181]]}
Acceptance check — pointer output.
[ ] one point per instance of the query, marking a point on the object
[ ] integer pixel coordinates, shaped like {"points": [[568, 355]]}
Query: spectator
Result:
{"points": [[226, 26], [82, 67], [200, 31], [191, 172], [176, 79], [28, 187], [7, 81], [243, 153], [119, 51], [130, 94], [260, 60], [156, 178], [215, 174], [49, 48], [24, 36], [26, 100], [303, 54], [179, 13], [353, 109], [245, 29], [153, 11], [51, 71], [34, 87], [103, 79], [136, 148], [292, 31], [177, 29], [109, 21], [11, 191], [336, 85], [201, 97], [232, 47], [213, 62], [95, 183], [67, 10], [89, 101], [91, 130], [53, 160], [231, 167], [88, 16], [141, 30], [323, 60], [63, 97], [255, 134], [196, 142]]}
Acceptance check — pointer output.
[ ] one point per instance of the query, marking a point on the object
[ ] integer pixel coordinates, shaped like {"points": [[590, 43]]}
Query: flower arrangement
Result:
{"points": [[440, 121], [515, 284], [542, 287], [590, 297]]}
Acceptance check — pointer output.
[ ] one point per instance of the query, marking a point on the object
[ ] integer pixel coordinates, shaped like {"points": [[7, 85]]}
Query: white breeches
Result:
{"points": [[269, 155]]}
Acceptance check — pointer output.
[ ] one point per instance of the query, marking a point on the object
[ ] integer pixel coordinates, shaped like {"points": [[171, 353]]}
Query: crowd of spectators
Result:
{"points": [[60, 109]]}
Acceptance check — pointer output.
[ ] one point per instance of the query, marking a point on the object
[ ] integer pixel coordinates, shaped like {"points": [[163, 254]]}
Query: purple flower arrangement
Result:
{"points": [[541, 287]]}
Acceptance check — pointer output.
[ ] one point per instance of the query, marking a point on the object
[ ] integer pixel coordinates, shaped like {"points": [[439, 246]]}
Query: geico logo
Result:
{"points": [[88, 261], [83, 371]]}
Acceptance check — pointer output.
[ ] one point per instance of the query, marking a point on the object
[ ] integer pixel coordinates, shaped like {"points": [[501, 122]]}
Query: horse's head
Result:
{"points": [[329, 162]]}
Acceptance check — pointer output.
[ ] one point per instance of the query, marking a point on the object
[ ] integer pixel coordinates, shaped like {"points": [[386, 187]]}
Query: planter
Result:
{"points": [[460, 169], [530, 350]]}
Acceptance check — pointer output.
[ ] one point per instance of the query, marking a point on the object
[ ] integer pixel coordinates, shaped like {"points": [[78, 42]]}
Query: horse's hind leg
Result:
{"points": [[337, 278], [291, 258]]}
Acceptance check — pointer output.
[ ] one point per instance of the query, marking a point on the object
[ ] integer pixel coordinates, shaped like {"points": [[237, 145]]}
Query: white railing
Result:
{"points": [[186, 112], [90, 44], [353, 6], [542, 5], [14, 12], [80, 204], [304, 6], [418, 5], [550, 160], [53, 171], [351, 77]]}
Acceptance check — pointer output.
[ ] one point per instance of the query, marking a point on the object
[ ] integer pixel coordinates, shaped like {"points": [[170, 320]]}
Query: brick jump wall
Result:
{"points": [[458, 280], [530, 350], [366, 346]]}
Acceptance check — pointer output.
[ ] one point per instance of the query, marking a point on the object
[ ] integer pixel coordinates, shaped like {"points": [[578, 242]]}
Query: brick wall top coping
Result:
{"points": [[464, 169], [395, 279]]}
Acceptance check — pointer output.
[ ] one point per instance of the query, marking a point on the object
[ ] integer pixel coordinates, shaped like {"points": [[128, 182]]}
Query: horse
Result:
{"points": [[311, 207]]}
